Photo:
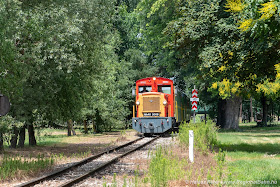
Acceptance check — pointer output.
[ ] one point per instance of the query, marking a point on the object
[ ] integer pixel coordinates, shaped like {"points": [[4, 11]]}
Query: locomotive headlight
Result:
{"points": [[137, 103], [165, 102]]}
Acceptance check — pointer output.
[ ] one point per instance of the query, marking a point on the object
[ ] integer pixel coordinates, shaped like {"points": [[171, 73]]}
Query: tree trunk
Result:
{"points": [[1, 142], [21, 137], [85, 126], [31, 134], [251, 110], [221, 113], [93, 127], [205, 115], [14, 138], [69, 127], [73, 130], [272, 113], [265, 110], [232, 112], [240, 113]]}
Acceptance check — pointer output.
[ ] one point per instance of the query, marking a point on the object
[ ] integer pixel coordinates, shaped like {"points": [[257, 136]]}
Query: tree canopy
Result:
{"points": [[73, 59]]}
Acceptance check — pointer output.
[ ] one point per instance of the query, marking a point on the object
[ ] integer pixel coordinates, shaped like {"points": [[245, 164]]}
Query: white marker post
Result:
{"points": [[191, 145]]}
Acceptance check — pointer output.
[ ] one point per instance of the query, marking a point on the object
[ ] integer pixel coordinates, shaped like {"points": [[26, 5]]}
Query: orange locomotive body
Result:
{"points": [[157, 107]]}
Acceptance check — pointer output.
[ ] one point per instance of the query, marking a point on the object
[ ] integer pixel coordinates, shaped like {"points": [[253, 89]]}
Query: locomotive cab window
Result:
{"points": [[165, 89], [143, 89]]}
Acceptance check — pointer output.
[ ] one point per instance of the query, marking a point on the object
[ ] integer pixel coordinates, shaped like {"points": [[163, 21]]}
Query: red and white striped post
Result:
{"points": [[194, 101]]}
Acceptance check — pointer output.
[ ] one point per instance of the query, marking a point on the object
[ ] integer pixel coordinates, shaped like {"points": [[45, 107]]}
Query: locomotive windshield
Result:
{"points": [[143, 89], [165, 89]]}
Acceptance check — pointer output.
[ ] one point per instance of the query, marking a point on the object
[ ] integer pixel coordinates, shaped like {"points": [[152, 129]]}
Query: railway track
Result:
{"points": [[79, 171]]}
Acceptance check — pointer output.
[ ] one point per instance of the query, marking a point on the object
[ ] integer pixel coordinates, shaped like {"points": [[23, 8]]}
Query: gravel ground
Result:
{"points": [[125, 170]]}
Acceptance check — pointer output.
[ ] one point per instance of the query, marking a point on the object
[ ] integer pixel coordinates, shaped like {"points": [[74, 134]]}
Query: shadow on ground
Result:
{"points": [[260, 147], [81, 146]]}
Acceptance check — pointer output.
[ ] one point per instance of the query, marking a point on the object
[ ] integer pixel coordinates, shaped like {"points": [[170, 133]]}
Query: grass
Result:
{"points": [[248, 157], [165, 166], [50, 137], [54, 147], [171, 166], [12, 167], [253, 154]]}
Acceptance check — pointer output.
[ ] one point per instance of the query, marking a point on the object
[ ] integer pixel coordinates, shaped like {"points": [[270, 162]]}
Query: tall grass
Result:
{"points": [[205, 135], [164, 167], [11, 167]]}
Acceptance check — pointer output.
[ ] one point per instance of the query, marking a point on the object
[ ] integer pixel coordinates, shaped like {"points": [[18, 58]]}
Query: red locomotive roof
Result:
{"points": [[159, 80]]}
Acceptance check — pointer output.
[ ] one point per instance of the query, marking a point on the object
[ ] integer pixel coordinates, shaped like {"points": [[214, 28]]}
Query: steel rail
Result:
{"points": [[84, 176], [77, 164]]}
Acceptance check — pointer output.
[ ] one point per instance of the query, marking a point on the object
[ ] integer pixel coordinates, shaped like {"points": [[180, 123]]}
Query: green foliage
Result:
{"points": [[154, 16], [155, 7], [7, 123], [260, 20], [200, 42], [63, 62], [165, 167], [205, 135]]}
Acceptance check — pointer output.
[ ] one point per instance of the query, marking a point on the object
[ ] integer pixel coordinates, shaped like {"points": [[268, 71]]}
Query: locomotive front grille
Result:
{"points": [[151, 104]]}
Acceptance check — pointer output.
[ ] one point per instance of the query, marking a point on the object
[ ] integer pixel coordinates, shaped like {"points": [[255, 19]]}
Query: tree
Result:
{"points": [[11, 70], [259, 21], [65, 52], [205, 40], [198, 34]]}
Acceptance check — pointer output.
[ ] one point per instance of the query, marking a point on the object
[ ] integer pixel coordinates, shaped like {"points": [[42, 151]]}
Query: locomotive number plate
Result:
{"points": [[151, 114]]}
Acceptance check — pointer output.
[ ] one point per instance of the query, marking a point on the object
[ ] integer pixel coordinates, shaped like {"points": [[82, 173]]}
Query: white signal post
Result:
{"points": [[191, 145], [194, 101]]}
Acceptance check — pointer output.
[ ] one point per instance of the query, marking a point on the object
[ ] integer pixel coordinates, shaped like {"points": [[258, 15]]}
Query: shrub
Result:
{"points": [[205, 135]]}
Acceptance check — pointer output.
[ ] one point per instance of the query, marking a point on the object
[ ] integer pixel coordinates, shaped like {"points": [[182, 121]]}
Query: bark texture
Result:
{"points": [[85, 126], [14, 138], [228, 113], [69, 127], [251, 111], [240, 113], [31, 134], [21, 137], [221, 113], [265, 110], [232, 110], [1, 142], [93, 127]]}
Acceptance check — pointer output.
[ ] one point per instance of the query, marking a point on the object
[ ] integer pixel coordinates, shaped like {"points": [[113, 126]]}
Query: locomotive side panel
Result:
{"points": [[182, 108]]}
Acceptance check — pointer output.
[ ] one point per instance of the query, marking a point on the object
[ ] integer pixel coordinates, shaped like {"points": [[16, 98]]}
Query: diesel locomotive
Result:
{"points": [[159, 107]]}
